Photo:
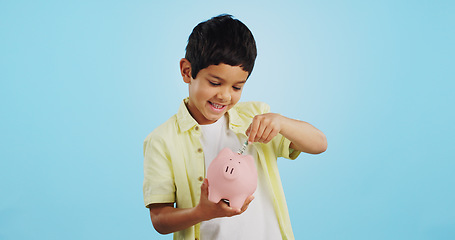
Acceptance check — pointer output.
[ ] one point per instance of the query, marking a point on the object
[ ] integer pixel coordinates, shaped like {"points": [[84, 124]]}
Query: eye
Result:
{"points": [[237, 88], [214, 83]]}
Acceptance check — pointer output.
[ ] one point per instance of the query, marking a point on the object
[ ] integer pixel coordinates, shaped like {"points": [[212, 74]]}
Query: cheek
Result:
{"points": [[208, 93], [202, 93], [236, 96]]}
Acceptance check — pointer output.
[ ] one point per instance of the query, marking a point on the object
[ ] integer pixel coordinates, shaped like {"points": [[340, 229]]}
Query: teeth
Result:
{"points": [[217, 105]]}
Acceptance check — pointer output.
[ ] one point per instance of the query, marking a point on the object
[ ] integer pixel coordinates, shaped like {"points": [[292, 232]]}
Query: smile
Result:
{"points": [[217, 107]]}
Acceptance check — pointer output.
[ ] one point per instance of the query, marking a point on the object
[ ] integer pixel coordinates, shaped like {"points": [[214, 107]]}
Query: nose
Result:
{"points": [[224, 94]]}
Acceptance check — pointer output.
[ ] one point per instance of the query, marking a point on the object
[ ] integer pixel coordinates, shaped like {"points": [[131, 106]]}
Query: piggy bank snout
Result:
{"points": [[231, 169]]}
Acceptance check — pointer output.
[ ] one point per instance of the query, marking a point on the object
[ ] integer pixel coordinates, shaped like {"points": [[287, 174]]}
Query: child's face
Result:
{"points": [[214, 91]]}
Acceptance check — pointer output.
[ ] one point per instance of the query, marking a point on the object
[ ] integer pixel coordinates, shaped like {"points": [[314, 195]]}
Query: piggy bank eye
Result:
{"points": [[239, 162], [230, 159]]}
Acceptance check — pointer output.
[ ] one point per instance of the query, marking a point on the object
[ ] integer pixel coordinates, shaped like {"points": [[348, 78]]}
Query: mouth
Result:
{"points": [[217, 107]]}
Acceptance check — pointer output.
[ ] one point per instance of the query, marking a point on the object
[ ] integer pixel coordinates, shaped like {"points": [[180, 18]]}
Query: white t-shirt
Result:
{"points": [[259, 220]]}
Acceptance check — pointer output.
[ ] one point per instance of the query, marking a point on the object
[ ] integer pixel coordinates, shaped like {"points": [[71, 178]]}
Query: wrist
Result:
{"points": [[284, 123], [199, 214]]}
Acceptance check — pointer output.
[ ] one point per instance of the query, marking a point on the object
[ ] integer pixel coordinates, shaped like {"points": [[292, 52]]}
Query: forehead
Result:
{"points": [[225, 72]]}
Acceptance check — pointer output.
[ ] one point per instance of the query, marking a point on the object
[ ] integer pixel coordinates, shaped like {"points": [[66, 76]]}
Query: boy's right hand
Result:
{"points": [[210, 210]]}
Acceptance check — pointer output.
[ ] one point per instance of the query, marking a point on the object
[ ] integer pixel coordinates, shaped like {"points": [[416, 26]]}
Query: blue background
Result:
{"points": [[84, 82]]}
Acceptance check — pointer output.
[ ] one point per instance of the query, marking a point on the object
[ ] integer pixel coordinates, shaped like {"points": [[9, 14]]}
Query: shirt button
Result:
{"points": [[199, 150], [200, 179], [196, 128]]}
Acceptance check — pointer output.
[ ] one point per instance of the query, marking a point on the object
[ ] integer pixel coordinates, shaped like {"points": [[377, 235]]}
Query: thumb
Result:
{"points": [[205, 188], [247, 132]]}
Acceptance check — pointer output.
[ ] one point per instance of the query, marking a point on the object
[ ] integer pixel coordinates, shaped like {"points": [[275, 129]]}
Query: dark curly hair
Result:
{"points": [[221, 39]]}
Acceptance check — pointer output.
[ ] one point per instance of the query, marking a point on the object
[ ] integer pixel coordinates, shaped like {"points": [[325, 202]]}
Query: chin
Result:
{"points": [[213, 117]]}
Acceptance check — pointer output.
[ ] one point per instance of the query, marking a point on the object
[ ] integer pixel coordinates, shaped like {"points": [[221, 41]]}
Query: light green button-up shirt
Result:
{"points": [[174, 163]]}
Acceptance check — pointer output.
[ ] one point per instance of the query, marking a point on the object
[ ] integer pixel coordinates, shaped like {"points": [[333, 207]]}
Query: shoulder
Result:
{"points": [[251, 109], [163, 132]]}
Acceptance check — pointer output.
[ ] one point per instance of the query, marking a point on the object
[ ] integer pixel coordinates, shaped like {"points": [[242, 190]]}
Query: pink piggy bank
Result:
{"points": [[233, 177]]}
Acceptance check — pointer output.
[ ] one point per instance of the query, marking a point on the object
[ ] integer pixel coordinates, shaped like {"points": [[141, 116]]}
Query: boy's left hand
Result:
{"points": [[264, 127]]}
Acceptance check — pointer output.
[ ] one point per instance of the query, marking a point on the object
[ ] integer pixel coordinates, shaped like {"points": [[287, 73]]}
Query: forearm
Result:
{"points": [[168, 219], [304, 137]]}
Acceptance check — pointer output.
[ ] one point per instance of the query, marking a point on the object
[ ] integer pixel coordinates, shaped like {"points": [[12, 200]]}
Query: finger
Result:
{"points": [[228, 211], [254, 129], [247, 203], [265, 134], [224, 205], [260, 132], [205, 188], [272, 134], [247, 132]]}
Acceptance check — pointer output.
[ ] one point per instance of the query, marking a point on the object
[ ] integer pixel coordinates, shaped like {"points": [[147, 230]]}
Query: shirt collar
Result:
{"points": [[184, 119], [234, 118]]}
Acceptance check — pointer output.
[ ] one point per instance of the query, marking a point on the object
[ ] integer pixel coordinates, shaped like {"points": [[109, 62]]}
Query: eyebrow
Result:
{"points": [[221, 79]]}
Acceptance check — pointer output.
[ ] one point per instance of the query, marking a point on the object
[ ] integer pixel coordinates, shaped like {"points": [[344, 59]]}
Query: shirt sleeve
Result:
{"points": [[158, 186], [285, 150]]}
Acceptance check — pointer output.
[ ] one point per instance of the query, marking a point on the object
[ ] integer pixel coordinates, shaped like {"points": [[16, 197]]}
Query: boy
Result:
{"points": [[219, 58]]}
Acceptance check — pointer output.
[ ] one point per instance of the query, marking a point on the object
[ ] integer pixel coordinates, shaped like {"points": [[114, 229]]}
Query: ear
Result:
{"points": [[185, 70]]}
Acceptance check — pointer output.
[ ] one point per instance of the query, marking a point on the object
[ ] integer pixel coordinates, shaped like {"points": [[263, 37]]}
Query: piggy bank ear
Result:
{"points": [[249, 160], [226, 152]]}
